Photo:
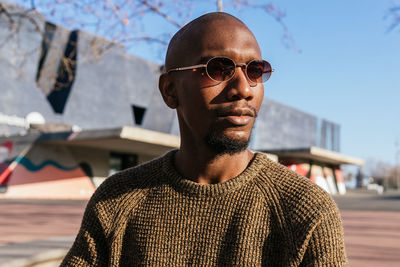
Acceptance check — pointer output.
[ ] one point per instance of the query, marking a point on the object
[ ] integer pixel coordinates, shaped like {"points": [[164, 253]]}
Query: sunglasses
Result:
{"points": [[222, 69]]}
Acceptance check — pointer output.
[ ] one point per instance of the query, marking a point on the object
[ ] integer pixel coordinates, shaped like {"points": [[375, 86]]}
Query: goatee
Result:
{"points": [[225, 145], [222, 144]]}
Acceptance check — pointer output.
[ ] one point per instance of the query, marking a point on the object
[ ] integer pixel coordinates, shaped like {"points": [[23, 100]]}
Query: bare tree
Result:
{"points": [[122, 22], [11, 20], [127, 21], [382, 173], [393, 14]]}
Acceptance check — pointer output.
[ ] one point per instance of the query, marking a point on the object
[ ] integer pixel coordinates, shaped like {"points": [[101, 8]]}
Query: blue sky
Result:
{"points": [[348, 71]]}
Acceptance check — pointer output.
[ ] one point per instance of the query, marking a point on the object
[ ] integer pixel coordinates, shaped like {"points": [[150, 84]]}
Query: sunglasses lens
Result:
{"points": [[220, 69], [259, 71]]}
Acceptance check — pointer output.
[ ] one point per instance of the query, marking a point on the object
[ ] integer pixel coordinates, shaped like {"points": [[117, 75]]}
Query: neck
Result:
{"points": [[206, 167]]}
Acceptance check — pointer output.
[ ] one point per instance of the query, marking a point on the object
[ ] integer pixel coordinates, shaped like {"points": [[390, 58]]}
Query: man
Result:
{"points": [[213, 202]]}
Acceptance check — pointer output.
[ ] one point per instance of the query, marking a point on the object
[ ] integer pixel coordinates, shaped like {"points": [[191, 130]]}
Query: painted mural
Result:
{"points": [[302, 168], [340, 181], [329, 178], [21, 178], [5, 151]]}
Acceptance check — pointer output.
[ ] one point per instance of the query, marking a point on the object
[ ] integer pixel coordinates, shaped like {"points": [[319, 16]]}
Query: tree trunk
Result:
{"points": [[219, 3]]}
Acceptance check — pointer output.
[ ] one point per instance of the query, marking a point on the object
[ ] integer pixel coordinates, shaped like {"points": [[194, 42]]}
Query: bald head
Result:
{"points": [[192, 38]]}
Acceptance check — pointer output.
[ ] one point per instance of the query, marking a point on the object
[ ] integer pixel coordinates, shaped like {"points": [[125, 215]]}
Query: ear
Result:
{"points": [[168, 91]]}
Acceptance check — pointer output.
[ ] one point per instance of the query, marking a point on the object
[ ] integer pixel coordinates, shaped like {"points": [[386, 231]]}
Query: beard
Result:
{"points": [[222, 144]]}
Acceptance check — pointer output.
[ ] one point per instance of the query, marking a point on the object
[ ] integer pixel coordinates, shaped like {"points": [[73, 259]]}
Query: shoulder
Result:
{"points": [[302, 213], [295, 196], [130, 180], [120, 193]]}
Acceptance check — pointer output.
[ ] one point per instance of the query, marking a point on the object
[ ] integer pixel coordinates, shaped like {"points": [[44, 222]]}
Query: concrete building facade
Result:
{"points": [[75, 108]]}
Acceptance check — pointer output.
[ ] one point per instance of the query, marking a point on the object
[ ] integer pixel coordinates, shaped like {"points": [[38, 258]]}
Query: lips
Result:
{"points": [[238, 120], [237, 116]]}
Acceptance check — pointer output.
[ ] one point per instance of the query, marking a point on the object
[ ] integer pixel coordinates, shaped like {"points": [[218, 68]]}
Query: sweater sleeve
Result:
{"points": [[326, 244], [90, 246]]}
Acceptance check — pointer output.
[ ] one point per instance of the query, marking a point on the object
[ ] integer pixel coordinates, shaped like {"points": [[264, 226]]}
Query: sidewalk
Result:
{"points": [[43, 253], [371, 225], [37, 232]]}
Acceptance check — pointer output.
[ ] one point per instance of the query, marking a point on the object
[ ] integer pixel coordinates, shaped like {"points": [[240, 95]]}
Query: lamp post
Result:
{"points": [[397, 162]]}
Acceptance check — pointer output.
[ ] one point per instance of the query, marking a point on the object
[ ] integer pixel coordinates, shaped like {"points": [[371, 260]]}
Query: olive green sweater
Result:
{"points": [[151, 216]]}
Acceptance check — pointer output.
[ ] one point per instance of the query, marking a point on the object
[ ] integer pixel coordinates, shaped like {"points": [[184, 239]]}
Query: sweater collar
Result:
{"points": [[191, 188]]}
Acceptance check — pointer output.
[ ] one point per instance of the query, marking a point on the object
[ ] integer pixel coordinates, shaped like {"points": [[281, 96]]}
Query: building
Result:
{"points": [[73, 112]]}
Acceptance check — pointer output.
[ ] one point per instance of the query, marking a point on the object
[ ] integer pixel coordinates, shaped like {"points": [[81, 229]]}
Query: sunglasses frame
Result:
{"points": [[241, 65]]}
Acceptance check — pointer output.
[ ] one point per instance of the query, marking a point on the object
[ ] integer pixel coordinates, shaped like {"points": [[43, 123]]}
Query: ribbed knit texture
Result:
{"points": [[151, 216]]}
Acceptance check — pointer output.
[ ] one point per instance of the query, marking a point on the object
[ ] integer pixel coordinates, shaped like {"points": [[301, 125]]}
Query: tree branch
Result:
{"points": [[276, 13], [394, 15], [5, 12], [162, 14]]}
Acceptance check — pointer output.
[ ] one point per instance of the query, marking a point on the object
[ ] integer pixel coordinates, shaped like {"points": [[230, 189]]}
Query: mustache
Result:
{"points": [[236, 110]]}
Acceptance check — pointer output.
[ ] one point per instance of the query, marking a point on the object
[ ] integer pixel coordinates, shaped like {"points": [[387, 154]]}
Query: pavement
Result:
{"points": [[362, 199], [38, 233], [371, 225], [48, 252]]}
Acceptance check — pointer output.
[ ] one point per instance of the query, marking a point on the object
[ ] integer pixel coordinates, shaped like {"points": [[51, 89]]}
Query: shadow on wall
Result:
{"points": [[57, 86]]}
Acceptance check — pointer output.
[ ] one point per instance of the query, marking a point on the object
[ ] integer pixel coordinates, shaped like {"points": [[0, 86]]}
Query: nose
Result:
{"points": [[239, 86]]}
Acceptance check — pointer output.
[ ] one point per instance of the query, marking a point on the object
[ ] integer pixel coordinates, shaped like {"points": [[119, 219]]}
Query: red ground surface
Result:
{"points": [[22, 221], [372, 237]]}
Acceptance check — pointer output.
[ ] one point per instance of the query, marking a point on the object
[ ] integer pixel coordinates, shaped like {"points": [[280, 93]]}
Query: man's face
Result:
{"points": [[219, 114]]}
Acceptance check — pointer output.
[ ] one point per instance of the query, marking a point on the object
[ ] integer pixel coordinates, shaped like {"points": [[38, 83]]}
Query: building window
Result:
{"points": [[121, 161], [138, 114]]}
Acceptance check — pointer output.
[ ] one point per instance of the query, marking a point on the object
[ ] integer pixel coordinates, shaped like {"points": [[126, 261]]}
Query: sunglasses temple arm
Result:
{"points": [[188, 67], [269, 71]]}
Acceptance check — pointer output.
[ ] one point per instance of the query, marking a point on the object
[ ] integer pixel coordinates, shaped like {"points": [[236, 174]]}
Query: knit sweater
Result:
{"points": [[150, 215]]}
